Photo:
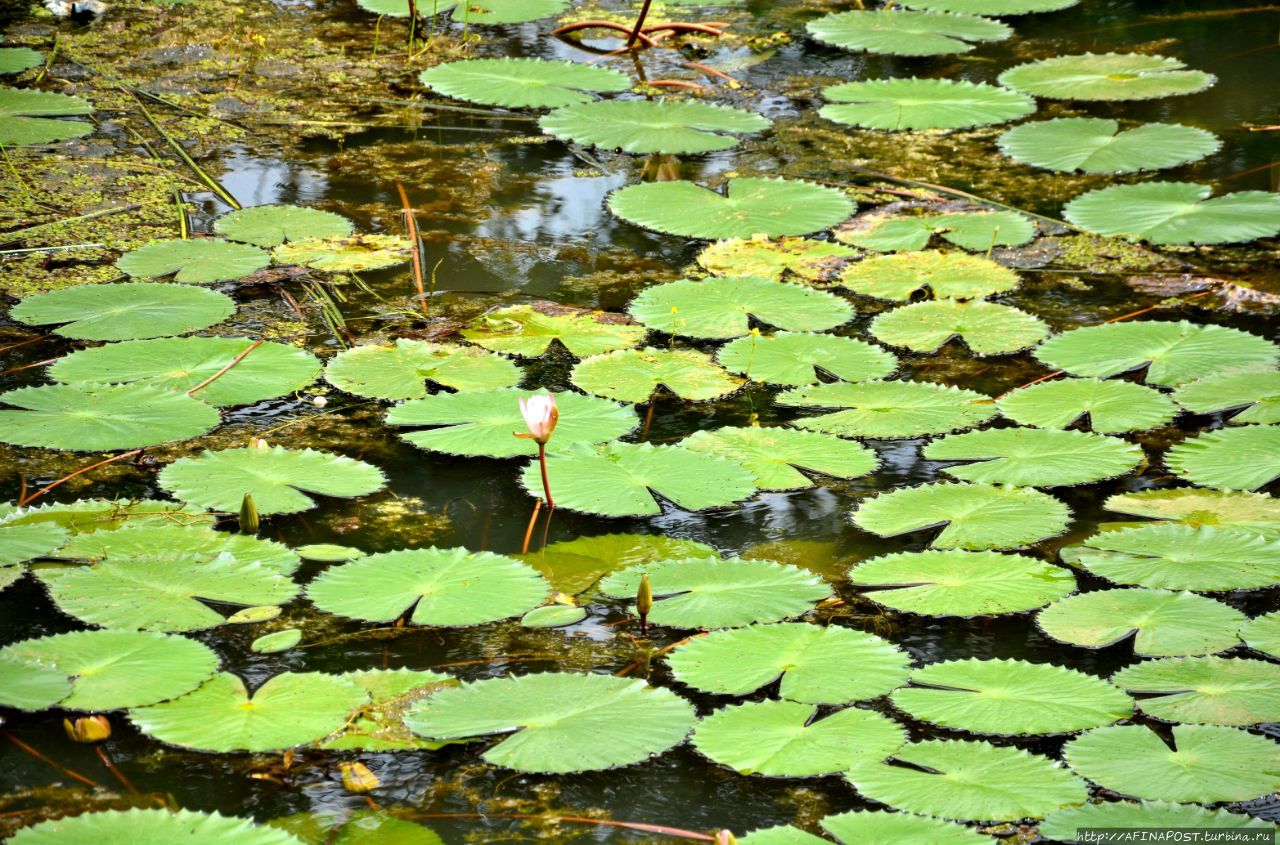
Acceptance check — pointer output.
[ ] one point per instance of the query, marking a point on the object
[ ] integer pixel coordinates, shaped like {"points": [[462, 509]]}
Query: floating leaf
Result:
{"points": [[994, 8], [1205, 690], [785, 739], [971, 781], [1256, 392], [400, 371], [183, 363], [553, 616], [632, 375], [975, 516], [776, 455], [253, 615], [809, 259], [783, 834], [1229, 459], [960, 583], [889, 408], [18, 59], [1176, 213], [379, 724], [986, 328], [85, 516], [31, 684], [197, 261], [353, 254], [21, 542], [108, 670], [949, 275], [1108, 407], [1010, 697], [100, 417], [572, 566], [277, 641], [291, 709], [979, 231], [562, 722], [722, 307], [1106, 76], [272, 225], [648, 126], [751, 206], [340, 826], [1162, 623], [329, 552], [1070, 824], [1034, 457], [1172, 352], [1180, 557], [279, 479], [177, 543], [524, 331], [25, 113], [901, 33], [798, 358], [912, 104], [1204, 764], [816, 665], [488, 12], [522, 83], [1256, 512], [1262, 633], [714, 593], [858, 827], [150, 827], [128, 311], [1097, 145]]}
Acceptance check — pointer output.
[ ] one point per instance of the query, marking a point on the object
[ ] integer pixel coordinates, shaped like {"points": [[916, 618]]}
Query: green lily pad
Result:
{"points": [[128, 311], [488, 12], [1180, 557], [553, 616], [84, 516], [379, 725], [1255, 395], [805, 258], [19, 543], [786, 739], [1255, 512], [960, 583], [913, 104], [974, 516], [272, 225], [562, 722], [1229, 459], [18, 59], [1108, 407], [1262, 633], [815, 665], [1162, 623], [254, 615], [1106, 76], [994, 8], [797, 359], [1097, 145], [443, 587], [1172, 352], [750, 206], [198, 261], [1011, 697], [101, 417], [151, 827], [1204, 764], [900, 829], [984, 327], [276, 642], [902, 33], [108, 670], [978, 231], [969, 781], [183, 363], [25, 117], [1205, 690], [340, 826], [522, 83], [783, 834], [289, 710], [277, 478], [524, 331], [31, 684], [1069, 824], [888, 408], [948, 275], [721, 307], [1034, 457], [777, 455], [401, 371], [649, 126], [352, 254], [190, 545], [329, 552], [572, 566], [1176, 213], [632, 375]]}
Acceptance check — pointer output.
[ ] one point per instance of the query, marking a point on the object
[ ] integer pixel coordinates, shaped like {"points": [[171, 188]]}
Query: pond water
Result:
{"points": [[510, 218]]}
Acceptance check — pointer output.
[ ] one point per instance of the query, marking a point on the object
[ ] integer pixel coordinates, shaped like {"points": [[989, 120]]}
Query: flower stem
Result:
{"points": [[546, 484]]}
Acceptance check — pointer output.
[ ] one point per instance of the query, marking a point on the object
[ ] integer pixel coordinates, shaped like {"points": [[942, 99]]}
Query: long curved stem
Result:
{"points": [[546, 483], [636, 30]]}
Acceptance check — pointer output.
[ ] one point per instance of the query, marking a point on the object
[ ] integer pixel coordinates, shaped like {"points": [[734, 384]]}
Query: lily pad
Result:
{"points": [[558, 722], [277, 641], [1176, 213], [1108, 407], [340, 826], [524, 331], [1097, 145], [272, 225], [994, 8], [649, 126], [805, 258], [329, 552], [31, 684], [572, 566], [402, 371], [948, 275], [18, 59], [1229, 459], [1162, 623], [151, 827], [488, 12], [974, 516], [715, 593], [1254, 395], [1205, 690], [978, 231], [1204, 764], [129, 311], [1262, 633], [903, 33], [254, 615], [914, 104], [84, 516], [553, 616], [960, 583], [101, 417], [522, 83], [1034, 457], [786, 739], [379, 724], [197, 261], [632, 375], [21, 542], [177, 543], [1180, 557], [279, 479], [182, 363], [442, 587], [721, 307], [750, 206], [1255, 512], [888, 408], [783, 834], [777, 455], [1069, 825], [815, 665], [1106, 76], [25, 117], [797, 359], [352, 254], [860, 826], [986, 328]]}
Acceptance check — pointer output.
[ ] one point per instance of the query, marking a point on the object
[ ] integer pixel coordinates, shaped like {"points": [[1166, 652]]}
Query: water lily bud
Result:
{"points": [[248, 515], [357, 778], [540, 417], [88, 728], [644, 601], [725, 837]]}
